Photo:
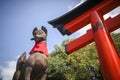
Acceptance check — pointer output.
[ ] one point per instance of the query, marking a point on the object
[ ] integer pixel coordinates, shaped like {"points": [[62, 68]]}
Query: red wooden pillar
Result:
{"points": [[108, 57]]}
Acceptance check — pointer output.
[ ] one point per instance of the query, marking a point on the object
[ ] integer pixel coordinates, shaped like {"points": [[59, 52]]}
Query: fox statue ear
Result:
{"points": [[44, 29], [34, 30]]}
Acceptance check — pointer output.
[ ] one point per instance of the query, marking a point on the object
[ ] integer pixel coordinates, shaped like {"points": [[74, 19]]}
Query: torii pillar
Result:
{"points": [[108, 57], [92, 11]]}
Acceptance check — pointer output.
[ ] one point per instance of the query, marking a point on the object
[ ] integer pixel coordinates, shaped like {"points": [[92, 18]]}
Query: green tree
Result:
{"points": [[81, 65], [116, 39], [57, 65]]}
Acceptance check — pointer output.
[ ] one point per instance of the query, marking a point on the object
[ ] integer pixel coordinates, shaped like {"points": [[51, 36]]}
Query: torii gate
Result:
{"points": [[92, 11]]}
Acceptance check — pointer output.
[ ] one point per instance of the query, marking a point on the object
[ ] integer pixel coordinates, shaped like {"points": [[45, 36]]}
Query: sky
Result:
{"points": [[17, 20], [19, 17]]}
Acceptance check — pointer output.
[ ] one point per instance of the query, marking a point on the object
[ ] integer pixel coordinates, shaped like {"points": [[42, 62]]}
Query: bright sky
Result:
{"points": [[17, 20]]}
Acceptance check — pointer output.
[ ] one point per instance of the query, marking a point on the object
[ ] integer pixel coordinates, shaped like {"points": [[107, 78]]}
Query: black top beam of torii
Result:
{"points": [[74, 13]]}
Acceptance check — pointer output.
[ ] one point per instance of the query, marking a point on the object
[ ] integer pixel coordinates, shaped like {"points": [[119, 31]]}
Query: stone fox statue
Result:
{"points": [[35, 67]]}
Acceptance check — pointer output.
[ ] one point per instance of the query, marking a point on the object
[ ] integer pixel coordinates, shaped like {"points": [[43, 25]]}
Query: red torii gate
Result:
{"points": [[92, 11]]}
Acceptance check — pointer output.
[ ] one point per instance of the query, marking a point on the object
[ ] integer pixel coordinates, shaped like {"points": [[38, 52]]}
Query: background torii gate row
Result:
{"points": [[92, 11]]}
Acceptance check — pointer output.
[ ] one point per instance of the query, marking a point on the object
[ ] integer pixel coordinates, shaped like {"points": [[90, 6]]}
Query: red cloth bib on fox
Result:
{"points": [[40, 47]]}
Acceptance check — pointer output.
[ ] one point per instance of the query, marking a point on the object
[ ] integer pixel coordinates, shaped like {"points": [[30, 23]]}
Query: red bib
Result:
{"points": [[40, 47]]}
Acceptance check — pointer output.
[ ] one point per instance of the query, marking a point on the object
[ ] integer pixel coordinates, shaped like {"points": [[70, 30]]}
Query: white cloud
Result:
{"points": [[8, 71], [80, 3], [72, 7]]}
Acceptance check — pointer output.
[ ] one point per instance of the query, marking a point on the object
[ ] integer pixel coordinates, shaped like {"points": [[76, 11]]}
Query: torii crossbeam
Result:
{"points": [[92, 11]]}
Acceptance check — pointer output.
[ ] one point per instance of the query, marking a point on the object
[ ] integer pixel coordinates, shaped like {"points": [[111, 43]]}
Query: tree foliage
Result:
{"points": [[116, 39], [81, 65]]}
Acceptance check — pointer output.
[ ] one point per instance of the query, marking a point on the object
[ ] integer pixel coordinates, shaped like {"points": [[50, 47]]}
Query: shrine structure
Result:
{"points": [[92, 11]]}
